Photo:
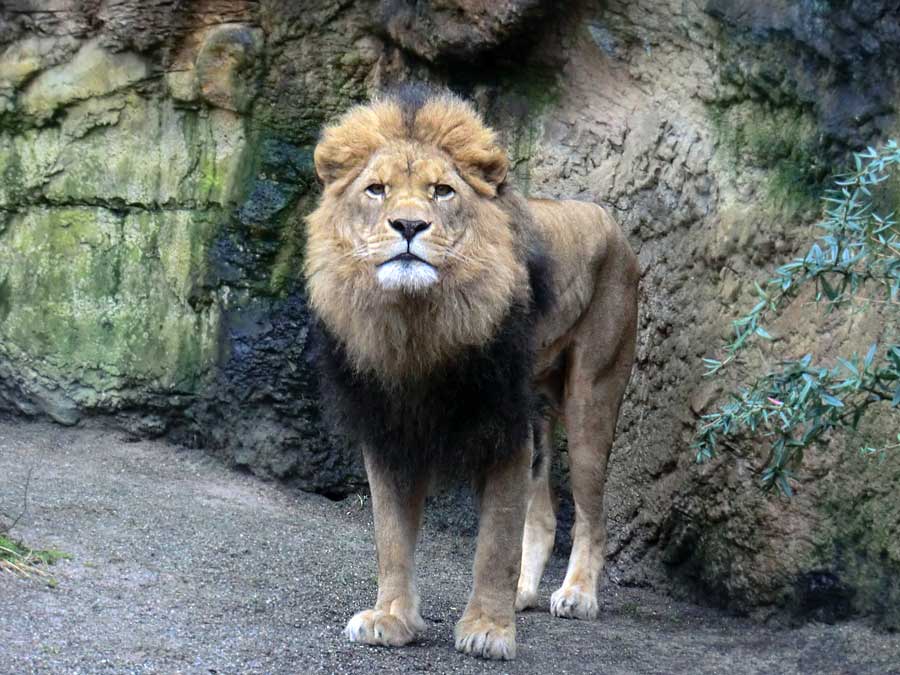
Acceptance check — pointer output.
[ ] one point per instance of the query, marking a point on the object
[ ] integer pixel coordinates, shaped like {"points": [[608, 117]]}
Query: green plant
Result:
{"points": [[19, 559], [801, 401]]}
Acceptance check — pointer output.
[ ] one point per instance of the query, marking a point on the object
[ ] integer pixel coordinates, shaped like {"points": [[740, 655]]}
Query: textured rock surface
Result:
{"points": [[452, 30], [156, 158]]}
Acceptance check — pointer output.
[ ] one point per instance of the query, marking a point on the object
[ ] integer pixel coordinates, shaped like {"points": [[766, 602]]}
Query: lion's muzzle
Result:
{"points": [[406, 272]]}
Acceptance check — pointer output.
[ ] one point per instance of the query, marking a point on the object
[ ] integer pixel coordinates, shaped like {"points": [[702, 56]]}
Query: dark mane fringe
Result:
{"points": [[459, 421], [412, 96]]}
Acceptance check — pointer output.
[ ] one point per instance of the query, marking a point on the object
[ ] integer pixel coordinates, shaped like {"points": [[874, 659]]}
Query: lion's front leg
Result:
{"points": [[488, 625], [397, 508]]}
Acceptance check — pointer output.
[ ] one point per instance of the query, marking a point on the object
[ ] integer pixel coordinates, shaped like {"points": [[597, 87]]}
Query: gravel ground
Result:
{"points": [[180, 565]]}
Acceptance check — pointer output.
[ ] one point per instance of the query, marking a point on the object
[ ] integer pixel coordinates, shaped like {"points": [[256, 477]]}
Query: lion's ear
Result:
{"points": [[334, 162], [494, 166], [455, 127], [337, 156], [484, 166], [346, 146]]}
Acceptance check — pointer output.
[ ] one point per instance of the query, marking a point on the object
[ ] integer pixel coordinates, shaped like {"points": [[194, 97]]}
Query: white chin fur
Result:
{"points": [[406, 275]]}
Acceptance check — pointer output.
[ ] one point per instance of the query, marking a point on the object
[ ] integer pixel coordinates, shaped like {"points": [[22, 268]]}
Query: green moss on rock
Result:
{"points": [[782, 142], [102, 299], [92, 72], [155, 154], [523, 96]]}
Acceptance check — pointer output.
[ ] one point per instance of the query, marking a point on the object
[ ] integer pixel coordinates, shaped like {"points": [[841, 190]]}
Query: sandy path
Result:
{"points": [[181, 565]]}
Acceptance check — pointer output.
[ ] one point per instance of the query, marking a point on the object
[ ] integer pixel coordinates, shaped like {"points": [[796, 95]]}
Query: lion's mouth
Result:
{"points": [[408, 257], [406, 272]]}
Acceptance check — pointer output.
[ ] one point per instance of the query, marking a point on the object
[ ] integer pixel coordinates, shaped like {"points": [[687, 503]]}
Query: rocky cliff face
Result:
{"points": [[156, 163]]}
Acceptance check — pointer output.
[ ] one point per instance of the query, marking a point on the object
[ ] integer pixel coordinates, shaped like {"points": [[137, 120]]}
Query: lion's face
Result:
{"points": [[413, 226], [410, 254]]}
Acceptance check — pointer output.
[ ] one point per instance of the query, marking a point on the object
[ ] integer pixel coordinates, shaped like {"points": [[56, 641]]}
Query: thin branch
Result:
{"points": [[6, 529]]}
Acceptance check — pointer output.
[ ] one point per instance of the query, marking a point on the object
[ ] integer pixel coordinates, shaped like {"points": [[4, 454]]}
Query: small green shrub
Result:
{"points": [[799, 402]]}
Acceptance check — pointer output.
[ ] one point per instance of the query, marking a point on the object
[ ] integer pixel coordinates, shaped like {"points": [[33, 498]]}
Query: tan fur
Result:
{"points": [[586, 345]]}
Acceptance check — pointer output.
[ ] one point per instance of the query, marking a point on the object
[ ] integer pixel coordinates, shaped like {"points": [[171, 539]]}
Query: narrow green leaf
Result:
{"points": [[814, 255], [784, 486], [849, 366], [828, 288], [857, 416], [833, 401], [870, 356]]}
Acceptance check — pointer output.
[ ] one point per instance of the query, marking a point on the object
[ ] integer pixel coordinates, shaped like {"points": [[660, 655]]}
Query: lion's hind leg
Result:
{"points": [[540, 520], [590, 425], [598, 370], [397, 508]]}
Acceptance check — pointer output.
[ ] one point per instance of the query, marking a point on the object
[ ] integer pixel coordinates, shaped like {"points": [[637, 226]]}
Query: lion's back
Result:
{"points": [[577, 238], [574, 232]]}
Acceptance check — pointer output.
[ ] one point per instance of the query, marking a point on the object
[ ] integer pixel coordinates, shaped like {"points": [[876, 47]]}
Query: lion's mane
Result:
{"points": [[439, 383]]}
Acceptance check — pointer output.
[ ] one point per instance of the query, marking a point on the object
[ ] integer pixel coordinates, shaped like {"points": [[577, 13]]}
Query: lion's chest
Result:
{"points": [[474, 411]]}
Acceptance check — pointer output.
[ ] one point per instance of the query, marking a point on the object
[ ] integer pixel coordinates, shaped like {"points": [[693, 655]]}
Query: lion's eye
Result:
{"points": [[442, 191], [375, 191]]}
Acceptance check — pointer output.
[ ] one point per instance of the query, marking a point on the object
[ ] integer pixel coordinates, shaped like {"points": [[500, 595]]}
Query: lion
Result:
{"points": [[455, 323]]}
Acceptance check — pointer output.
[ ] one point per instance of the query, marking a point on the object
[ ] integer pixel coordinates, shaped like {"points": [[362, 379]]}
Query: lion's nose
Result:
{"points": [[409, 228]]}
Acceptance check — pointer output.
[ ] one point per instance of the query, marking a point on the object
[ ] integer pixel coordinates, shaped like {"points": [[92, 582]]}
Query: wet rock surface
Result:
{"points": [[155, 165]]}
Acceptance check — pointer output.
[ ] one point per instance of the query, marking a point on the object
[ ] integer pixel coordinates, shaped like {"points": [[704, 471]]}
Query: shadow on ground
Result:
{"points": [[183, 566]]}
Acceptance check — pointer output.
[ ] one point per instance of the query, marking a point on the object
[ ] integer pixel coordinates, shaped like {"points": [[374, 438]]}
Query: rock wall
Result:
{"points": [[156, 162]]}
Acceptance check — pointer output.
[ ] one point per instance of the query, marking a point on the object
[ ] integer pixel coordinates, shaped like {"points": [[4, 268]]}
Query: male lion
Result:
{"points": [[455, 322]]}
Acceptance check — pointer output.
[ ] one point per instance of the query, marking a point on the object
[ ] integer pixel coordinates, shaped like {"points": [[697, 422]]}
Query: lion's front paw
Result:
{"points": [[482, 636], [377, 627], [572, 603]]}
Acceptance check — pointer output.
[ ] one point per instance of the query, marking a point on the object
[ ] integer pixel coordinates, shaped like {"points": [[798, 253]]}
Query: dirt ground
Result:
{"points": [[181, 565]]}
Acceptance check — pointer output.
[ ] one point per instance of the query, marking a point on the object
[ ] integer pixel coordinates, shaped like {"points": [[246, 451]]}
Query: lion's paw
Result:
{"points": [[572, 603], [377, 627], [481, 636]]}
